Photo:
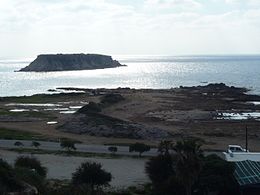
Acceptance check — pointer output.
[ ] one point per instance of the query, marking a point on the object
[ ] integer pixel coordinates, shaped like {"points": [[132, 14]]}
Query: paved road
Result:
{"points": [[55, 146], [100, 149]]}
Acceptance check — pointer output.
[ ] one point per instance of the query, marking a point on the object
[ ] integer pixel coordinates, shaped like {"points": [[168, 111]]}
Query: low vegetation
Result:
{"points": [[18, 144], [28, 114], [32, 151], [19, 135], [42, 98], [29, 176], [112, 149], [186, 171], [8, 181], [31, 163], [35, 144], [91, 174], [22, 177], [139, 147], [68, 145]]}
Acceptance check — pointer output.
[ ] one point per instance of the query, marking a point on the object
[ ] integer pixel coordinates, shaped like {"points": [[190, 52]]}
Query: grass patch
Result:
{"points": [[19, 135], [11, 134], [128, 144], [218, 134], [4, 112], [42, 98], [65, 153], [118, 144], [74, 153], [38, 115], [32, 114]]}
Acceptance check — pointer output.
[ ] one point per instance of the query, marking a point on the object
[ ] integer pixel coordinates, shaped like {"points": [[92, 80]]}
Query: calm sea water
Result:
{"points": [[141, 72]]}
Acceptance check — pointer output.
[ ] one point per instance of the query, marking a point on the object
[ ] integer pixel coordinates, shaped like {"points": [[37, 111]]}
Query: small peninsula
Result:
{"points": [[66, 62]]}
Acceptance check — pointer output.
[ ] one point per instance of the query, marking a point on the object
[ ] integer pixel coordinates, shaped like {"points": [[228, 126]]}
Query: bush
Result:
{"points": [[32, 164], [91, 174], [161, 171], [8, 181], [68, 145], [217, 175], [188, 171], [30, 177], [165, 146], [61, 188], [18, 144], [139, 147], [112, 149], [35, 144], [159, 168]]}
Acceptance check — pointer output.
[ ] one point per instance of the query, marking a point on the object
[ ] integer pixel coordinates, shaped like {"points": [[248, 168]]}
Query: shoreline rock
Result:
{"points": [[96, 124]]}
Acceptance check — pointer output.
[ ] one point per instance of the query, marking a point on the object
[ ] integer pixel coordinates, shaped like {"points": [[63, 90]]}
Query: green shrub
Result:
{"points": [[31, 177], [18, 144], [91, 174], [36, 144], [112, 149], [139, 147], [68, 144], [32, 164], [8, 181]]}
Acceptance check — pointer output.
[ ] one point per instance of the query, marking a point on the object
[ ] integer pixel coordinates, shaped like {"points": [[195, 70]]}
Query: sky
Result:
{"points": [[129, 27]]}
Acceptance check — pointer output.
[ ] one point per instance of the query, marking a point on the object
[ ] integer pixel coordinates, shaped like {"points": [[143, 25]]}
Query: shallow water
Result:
{"points": [[140, 72], [52, 122], [68, 112], [75, 107], [239, 116], [56, 109], [33, 105], [19, 110], [255, 103]]}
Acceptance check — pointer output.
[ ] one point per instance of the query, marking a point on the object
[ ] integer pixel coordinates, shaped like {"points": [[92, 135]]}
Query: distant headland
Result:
{"points": [[65, 62]]}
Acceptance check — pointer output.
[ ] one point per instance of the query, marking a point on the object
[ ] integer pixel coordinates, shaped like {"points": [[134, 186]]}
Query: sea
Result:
{"points": [[158, 72]]}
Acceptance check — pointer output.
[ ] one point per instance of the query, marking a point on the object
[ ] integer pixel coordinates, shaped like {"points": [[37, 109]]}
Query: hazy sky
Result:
{"points": [[162, 27]]}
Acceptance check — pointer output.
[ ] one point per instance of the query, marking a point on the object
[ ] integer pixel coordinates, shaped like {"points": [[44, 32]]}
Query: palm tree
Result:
{"points": [[91, 174], [164, 147], [188, 165]]}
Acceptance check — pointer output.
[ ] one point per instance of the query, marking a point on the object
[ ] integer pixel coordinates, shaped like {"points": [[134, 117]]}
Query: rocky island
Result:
{"points": [[65, 62]]}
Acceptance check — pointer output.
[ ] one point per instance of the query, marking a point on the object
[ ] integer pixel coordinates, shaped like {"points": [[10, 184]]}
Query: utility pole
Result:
{"points": [[246, 140]]}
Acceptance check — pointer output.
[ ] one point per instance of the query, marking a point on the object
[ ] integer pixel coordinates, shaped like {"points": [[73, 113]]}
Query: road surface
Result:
{"points": [[55, 146]]}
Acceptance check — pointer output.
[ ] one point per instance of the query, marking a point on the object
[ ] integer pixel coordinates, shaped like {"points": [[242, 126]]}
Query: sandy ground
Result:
{"points": [[126, 172]]}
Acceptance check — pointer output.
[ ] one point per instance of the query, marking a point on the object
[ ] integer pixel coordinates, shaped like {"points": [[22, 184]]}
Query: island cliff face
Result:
{"points": [[63, 62]]}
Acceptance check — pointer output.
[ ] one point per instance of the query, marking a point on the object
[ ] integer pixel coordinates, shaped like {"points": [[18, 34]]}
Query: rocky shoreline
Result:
{"points": [[216, 113], [100, 125]]}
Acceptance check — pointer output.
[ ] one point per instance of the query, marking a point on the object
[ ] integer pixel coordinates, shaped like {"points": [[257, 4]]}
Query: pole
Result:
{"points": [[246, 140]]}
